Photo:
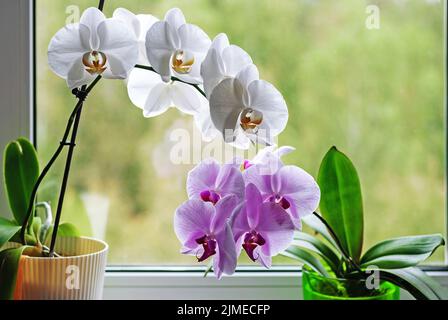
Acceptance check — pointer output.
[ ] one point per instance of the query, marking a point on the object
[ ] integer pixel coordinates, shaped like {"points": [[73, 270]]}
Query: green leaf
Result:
{"points": [[416, 282], [341, 200], [402, 252], [7, 230], [307, 258], [21, 170], [68, 230], [9, 265], [314, 223], [315, 245]]}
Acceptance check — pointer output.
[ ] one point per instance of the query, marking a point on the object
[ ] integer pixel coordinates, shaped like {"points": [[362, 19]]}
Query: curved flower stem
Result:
{"points": [[58, 151], [338, 242], [196, 86]]}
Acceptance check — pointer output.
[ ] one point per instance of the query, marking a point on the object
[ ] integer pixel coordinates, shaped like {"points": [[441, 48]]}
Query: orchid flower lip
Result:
{"points": [[280, 200], [210, 196], [94, 62], [250, 119], [251, 241], [208, 242], [182, 61]]}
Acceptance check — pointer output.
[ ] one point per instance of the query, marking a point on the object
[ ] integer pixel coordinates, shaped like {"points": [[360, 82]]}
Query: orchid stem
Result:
{"points": [[338, 242], [196, 86], [55, 156]]}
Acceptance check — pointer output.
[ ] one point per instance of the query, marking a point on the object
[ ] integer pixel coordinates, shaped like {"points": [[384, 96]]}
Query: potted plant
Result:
{"points": [[26, 271], [254, 206], [335, 267]]}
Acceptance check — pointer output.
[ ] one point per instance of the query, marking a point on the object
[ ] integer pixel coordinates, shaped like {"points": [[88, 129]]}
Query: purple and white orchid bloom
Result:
{"points": [[210, 181], [262, 229], [290, 187], [204, 231]]}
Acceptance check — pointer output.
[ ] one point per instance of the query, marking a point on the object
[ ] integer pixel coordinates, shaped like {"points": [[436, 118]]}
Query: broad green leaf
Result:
{"points": [[315, 245], [7, 230], [341, 200], [9, 265], [416, 282], [402, 252], [21, 170], [307, 258]]}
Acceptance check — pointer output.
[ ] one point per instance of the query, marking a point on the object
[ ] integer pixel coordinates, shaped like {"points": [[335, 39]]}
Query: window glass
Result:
{"points": [[368, 79]]}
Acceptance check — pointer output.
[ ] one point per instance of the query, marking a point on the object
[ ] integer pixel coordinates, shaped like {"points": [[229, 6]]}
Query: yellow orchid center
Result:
{"points": [[182, 61], [94, 62]]}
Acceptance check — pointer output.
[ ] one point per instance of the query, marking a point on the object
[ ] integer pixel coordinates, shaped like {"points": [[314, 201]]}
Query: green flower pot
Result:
{"points": [[317, 287]]}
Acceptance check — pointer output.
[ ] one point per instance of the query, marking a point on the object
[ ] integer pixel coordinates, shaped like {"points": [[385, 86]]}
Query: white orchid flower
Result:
{"points": [[246, 109], [148, 92], [223, 60], [95, 46], [176, 48], [139, 24]]}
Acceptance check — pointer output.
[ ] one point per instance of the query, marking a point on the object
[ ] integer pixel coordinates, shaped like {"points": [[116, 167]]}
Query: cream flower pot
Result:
{"points": [[78, 275]]}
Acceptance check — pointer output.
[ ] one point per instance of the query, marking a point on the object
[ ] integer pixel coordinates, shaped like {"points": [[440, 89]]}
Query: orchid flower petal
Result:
{"points": [[161, 42], [226, 106], [77, 76], [185, 98], [224, 209], [202, 177], [191, 219], [120, 46], [265, 98], [140, 84], [158, 101], [175, 18], [253, 201], [236, 59], [67, 46], [276, 227], [91, 18], [226, 259], [230, 181], [129, 19]]}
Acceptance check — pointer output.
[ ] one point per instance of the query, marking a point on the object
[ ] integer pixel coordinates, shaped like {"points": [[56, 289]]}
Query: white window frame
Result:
{"points": [[17, 107]]}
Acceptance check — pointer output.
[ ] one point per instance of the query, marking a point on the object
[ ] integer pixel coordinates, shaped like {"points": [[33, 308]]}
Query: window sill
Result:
{"points": [[176, 283]]}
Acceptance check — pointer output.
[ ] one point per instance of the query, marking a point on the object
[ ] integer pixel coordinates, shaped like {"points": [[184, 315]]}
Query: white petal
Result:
{"points": [[185, 98], [220, 42], [161, 42], [67, 46], [205, 125], [226, 106], [241, 140], [91, 18], [246, 76], [175, 18], [120, 46], [235, 60], [194, 39], [265, 98], [212, 70], [77, 76], [146, 21], [140, 84], [129, 19], [159, 100]]}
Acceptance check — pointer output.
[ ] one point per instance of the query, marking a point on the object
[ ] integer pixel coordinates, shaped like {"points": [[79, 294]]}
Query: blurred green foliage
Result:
{"points": [[376, 94]]}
